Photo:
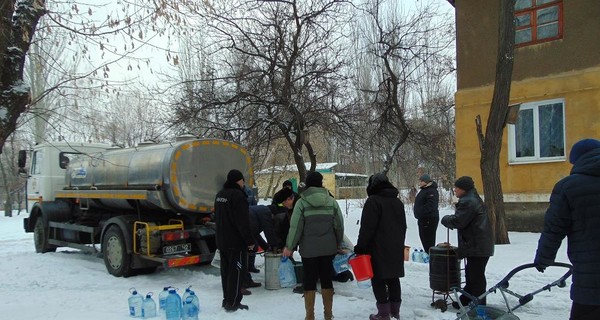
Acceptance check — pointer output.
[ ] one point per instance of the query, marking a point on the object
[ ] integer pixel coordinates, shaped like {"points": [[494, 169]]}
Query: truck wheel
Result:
{"points": [[116, 258], [40, 237]]}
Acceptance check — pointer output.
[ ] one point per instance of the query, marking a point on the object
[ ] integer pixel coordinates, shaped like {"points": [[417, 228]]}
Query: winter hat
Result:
{"points": [[582, 147], [425, 178], [282, 195], [235, 176], [465, 183], [287, 183], [314, 179]]}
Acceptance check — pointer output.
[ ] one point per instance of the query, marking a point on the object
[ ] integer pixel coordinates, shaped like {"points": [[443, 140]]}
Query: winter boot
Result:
{"points": [[309, 304], [395, 309], [383, 312], [327, 295]]}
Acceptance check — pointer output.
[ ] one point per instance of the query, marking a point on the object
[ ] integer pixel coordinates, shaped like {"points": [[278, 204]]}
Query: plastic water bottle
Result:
{"points": [[186, 294], [481, 315], [162, 300], [424, 257], [148, 307], [364, 284], [414, 256], [135, 304], [173, 305], [190, 308]]}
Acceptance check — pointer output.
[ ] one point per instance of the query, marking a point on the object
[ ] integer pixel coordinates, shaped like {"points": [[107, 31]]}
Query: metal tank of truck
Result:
{"points": [[139, 208]]}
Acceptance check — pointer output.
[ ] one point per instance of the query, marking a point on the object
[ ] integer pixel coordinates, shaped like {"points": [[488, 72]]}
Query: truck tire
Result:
{"points": [[40, 237], [116, 258]]}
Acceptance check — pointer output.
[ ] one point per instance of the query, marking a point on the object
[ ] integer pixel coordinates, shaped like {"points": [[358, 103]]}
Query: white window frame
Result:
{"points": [[512, 152]]}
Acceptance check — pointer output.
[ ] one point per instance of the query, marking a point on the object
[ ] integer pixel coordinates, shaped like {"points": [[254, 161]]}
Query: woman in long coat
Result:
{"points": [[382, 233]]}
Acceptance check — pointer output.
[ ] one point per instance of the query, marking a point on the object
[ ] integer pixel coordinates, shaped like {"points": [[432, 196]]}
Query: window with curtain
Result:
{"points": [[539, 133]]}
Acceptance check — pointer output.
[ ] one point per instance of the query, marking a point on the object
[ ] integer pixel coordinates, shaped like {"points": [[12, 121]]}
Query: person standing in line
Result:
{"points": [[426, 211], [317, 226], [250, 196], [574, 212], [234, 238], [382, 234], [475, 237]]}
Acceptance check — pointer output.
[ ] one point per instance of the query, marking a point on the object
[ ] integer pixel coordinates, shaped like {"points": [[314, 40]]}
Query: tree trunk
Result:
{"points": [[491, 144]]}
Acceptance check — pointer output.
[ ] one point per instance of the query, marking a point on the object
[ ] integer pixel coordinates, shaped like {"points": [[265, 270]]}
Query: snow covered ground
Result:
{"points": [[70, 284]]}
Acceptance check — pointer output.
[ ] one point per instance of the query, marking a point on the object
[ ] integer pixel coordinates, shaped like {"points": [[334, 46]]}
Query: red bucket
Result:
{"points": [[361, 267]]}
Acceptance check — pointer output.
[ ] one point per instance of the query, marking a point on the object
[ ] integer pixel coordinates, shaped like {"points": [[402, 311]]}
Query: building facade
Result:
{"points": [[555, 82]]}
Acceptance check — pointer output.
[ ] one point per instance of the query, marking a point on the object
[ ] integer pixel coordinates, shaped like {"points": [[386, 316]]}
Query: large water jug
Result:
{"points": [[186, 294], [162, 300], [149, 307], [173, 306], [414, 257], [424, 257], [481, 314], [340, 262], [190, 308], [135, 303]]}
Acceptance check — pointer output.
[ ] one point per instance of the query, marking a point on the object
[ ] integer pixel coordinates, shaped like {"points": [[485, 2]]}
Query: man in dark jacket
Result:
{"points": [[574, 212], [426, 211], [475, 237], [382, 234], [234, 238]]}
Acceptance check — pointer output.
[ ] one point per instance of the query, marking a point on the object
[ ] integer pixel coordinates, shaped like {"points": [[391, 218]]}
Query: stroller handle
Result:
{"points": [[560, 282]]}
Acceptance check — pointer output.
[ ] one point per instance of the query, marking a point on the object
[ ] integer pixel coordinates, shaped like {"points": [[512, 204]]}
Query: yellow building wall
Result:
{"points": [[262, 182], [533, 181]]}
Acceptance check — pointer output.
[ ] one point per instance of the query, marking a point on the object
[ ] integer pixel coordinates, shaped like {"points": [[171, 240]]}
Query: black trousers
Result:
{"points": [[475, 278], [584, 311], [234, 269], [317, 268], [427, 230], [386, 290]]}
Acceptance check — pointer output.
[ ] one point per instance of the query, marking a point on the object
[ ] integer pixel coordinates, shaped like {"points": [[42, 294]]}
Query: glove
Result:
{"points": [[540, 268], [359, 250]]}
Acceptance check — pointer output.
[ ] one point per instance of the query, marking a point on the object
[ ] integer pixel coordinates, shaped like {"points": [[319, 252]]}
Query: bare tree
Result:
{"points": [[491, 143], [398, 47], [280, 75]]}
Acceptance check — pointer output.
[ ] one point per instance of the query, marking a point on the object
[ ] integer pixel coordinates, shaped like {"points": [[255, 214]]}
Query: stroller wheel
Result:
{"points": [[440, 304]]}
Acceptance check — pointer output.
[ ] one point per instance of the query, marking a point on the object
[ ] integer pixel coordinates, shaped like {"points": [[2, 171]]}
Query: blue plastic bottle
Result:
{"points": [[149, 307], [186, 294], [414, 256], [190, 308], [135, 304], [162, 300], [424, 257], [173, 305]]}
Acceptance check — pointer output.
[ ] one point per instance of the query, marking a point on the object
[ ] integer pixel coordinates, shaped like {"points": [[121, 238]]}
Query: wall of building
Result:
{"points": [[477, 43]]}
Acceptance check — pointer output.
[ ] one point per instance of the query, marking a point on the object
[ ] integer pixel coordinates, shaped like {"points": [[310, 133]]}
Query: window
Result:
{"points": [[539, 134], [537, 21], [36, 164]]}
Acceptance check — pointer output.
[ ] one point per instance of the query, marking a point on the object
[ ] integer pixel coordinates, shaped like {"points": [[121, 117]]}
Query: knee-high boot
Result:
{"points": [[327, 295], [395, 309], [309, 304]]}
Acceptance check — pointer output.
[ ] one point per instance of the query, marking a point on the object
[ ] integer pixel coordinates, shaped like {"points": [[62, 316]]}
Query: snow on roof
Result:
{"points": [[292, 167], [340, 174]]}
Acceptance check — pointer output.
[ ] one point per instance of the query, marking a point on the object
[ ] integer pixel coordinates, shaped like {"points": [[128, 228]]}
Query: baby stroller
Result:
{"points": [[471, 310]]}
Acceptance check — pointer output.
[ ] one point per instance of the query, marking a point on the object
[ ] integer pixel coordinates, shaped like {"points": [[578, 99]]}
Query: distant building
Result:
{"points": [[341, 185]]}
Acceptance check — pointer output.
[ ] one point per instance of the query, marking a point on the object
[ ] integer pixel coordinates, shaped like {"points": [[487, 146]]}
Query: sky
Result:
{"points": [[69, 284]]}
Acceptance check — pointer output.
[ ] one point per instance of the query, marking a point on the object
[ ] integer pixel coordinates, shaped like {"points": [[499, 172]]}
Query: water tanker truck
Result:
{"points": [[139, 208]]}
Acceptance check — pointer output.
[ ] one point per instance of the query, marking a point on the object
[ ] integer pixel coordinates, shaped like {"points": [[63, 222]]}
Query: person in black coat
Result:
{"points": [[574, 212], [382, 234], [475, 237], [426, 211], [234, 238]]}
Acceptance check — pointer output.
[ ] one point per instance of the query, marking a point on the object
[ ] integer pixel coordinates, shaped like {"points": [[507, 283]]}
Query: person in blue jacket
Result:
{"points": [[574, 212]]}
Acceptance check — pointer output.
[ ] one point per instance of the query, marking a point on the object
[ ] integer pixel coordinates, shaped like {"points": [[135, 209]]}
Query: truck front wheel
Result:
{"points": [[116, 258], [40, 237]]}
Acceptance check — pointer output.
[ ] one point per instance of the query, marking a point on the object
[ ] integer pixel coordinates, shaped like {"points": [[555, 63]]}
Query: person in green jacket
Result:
{"points": [[317, 226]]}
